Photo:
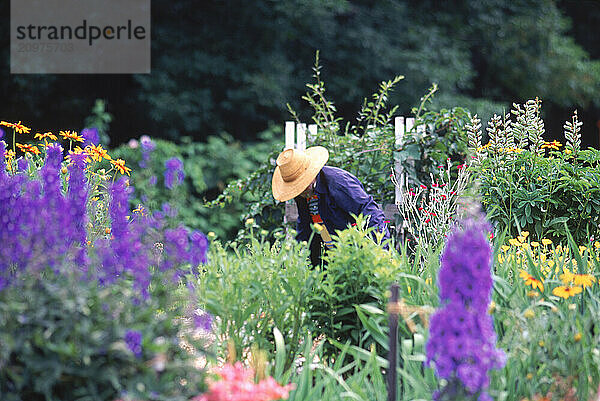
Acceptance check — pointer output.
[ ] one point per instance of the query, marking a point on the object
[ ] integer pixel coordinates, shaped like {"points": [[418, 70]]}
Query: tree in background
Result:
{"points": [[232, 65]]}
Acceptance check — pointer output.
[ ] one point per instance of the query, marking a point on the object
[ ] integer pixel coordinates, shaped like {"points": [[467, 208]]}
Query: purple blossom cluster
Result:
{"points": [[148, 147], [133, 339], [43, 225], [174, 173], [90, 136], [40, 226], [462, 341], [203, 320]]}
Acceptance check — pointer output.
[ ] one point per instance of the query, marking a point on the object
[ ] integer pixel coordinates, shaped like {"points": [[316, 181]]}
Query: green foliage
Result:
{"points": [[357, 271], [214, 70], [252, 288], [208, 167], [100, 119], [367, 149], [62, 338], [539, 194], [551, 343], [524, 190]]}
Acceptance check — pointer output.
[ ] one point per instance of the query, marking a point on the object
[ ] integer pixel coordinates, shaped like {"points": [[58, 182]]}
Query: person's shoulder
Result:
{"points": [[336, 171], [336, 175]]}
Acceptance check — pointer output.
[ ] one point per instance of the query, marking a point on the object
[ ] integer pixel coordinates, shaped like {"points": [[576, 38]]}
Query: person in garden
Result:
{"points": [[326, 196]]}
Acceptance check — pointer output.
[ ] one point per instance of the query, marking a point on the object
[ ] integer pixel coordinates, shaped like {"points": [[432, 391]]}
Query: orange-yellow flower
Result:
{"points": [[119, 164], [584, 280], [567, 277], [552, 145], [45, 135], [515, 242], [71, 136], [532, 281], [97, 153], [27, 148], [9, 154], [565, 291], [18, 127]]}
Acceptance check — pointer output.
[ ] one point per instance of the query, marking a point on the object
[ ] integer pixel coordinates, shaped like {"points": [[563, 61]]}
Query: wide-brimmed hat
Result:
{"points": [[295, 170]]}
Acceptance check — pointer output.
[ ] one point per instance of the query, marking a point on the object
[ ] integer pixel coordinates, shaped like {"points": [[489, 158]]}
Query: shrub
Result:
{"points": [[252, 288], [367, 148], [358, 270], [531, 185], [63, 338], [83, 278], [207, 166]]}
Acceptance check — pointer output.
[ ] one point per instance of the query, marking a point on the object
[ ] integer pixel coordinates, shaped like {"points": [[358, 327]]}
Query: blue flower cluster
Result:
{"points": [[90, 136], [133, 339], [148, 147], [174, 173], [462, 341], [43, 225]]}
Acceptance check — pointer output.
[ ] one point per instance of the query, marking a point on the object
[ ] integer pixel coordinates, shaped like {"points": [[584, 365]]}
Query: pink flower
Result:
{"points": [[423, 186], [237, 384], [460, 166]]}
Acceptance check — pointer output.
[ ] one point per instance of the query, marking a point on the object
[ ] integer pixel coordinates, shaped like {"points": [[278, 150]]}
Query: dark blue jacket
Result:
{"points": [[340, 193]]}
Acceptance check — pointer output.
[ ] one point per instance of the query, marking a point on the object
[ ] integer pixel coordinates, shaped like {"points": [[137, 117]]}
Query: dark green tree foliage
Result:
{"points": [[232, 65]]}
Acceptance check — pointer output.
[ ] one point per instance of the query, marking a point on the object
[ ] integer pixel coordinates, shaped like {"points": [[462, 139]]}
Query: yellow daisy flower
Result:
{"points": [[119, 164], [565, 291]]}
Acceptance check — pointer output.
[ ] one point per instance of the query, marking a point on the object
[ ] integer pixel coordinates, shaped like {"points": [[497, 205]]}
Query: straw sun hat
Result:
{"points": [[295, 170]]}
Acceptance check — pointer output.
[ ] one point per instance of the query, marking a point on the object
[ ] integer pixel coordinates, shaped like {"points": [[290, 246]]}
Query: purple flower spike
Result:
{"points": [[462, 341], [203, 320], [174, 174], [147, 147], [22, 164], [199, 248], [133, 339], [90, 136]]}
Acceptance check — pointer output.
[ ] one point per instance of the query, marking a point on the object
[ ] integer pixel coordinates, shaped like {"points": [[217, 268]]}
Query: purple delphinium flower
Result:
{"points": [[174, 174], [125, 251], [198, 248], [203, 320], [152, 180], [90, 136], [176, 247], [22, 164], [462, 341], [148, 147], [1, 133], [168, 210], [133, 339], [78, 194], [181, 248]]}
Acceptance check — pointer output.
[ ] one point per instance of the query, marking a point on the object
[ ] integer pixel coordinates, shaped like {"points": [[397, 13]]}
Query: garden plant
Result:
{"points": [[108, 290]]}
